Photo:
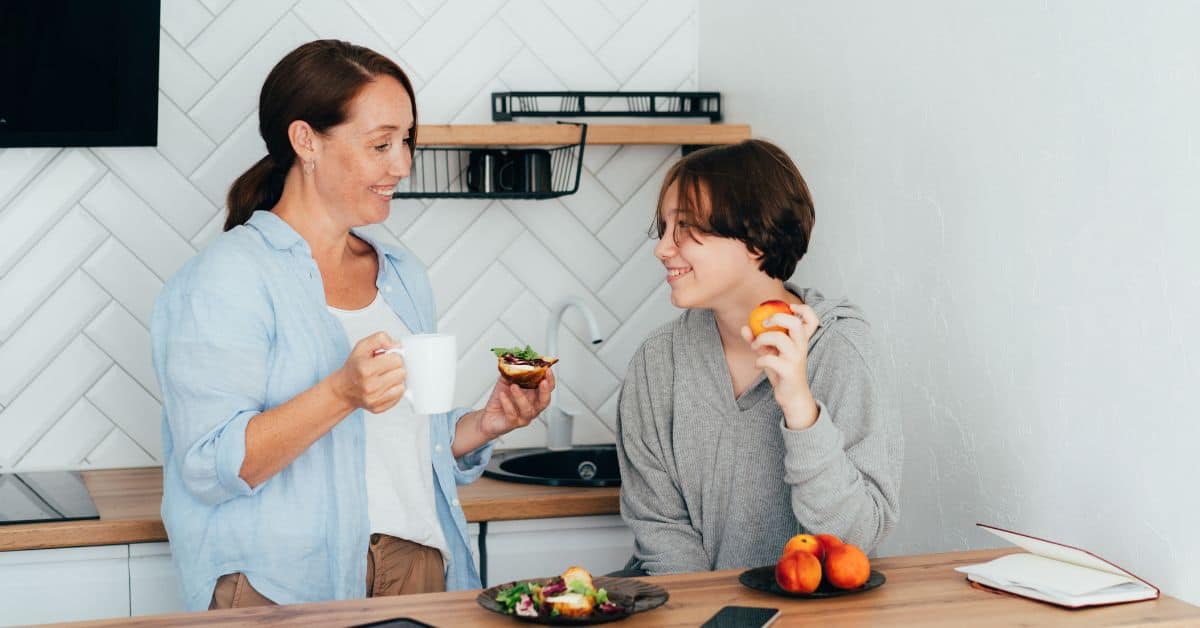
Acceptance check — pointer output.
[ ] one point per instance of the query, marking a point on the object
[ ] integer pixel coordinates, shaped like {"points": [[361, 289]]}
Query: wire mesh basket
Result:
{"points": [[507, 105], [493, 172]]}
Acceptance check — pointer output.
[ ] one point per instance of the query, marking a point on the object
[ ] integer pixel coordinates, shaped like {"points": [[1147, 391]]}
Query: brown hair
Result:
{"points": [[314, 83], [754, 194]]}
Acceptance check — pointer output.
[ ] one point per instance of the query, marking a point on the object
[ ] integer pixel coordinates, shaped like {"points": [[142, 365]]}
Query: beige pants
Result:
{"points": [[394, 567]]}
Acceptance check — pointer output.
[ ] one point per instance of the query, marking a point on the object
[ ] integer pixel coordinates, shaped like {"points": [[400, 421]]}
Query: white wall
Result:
{"points": [[1011, 191], [87, 236]]}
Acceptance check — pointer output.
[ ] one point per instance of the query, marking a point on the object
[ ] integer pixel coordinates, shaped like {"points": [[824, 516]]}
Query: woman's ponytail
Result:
{"points": [[258, 188]]}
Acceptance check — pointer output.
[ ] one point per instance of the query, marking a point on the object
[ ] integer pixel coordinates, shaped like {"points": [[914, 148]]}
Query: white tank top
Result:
{"points": [[400, 498]]}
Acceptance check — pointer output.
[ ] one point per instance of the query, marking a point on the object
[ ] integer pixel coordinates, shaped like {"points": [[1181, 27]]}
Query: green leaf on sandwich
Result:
{"points": [[521, 354]]}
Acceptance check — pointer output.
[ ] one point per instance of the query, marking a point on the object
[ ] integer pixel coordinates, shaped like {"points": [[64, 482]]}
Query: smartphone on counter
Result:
{"points": [[742, 617]]}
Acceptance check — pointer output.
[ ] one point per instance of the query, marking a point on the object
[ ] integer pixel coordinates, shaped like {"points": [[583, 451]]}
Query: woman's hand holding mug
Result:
{"points": [[371, 380]]}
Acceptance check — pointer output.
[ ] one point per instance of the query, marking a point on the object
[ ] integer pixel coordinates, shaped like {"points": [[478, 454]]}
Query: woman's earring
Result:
{"points": [[309, 166]]}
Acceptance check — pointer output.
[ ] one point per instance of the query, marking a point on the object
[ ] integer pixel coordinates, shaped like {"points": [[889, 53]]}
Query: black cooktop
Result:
{"points": [[44, 496]]}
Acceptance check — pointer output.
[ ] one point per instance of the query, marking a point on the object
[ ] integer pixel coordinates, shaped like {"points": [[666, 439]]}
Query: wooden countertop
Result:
{"points": [[128, 502], [920, 591]]}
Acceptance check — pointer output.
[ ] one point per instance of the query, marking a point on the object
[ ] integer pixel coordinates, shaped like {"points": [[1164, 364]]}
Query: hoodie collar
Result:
{"points": [[828, 311]]}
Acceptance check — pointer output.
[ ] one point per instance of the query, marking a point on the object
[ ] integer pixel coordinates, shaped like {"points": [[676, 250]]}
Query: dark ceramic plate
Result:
{"points": [[763, 579], [631, 594]]}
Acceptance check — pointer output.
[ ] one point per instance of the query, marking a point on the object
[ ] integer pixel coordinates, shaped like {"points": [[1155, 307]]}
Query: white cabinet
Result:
{"points": [[67, 584], [544, 547], [153, 581]]}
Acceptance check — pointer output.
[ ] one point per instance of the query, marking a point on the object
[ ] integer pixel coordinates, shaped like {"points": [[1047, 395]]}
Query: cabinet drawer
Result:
{"points": [[67, 584], [546, 547], [153, 582]]}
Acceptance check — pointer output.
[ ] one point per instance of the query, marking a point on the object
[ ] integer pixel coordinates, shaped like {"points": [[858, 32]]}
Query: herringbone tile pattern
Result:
{"points": [[87, 236]]}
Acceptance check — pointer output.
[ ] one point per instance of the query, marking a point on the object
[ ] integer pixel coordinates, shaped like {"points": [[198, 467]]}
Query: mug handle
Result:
{"points": [[408, 396]]}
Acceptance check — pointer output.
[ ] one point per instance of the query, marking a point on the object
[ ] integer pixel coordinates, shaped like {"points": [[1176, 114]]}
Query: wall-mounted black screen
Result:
{"points": [[79, 72]]}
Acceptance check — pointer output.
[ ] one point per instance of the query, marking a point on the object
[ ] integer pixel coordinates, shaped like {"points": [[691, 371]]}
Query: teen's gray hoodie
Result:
{"points": [[713, 482]]}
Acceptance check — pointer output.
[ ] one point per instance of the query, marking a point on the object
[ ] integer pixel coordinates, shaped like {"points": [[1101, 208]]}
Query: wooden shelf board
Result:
{"points": [[599, 134]]}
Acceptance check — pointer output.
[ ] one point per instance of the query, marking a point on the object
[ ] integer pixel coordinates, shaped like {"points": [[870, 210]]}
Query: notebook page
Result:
{"points": [[1056, 551], [1046, 574], [1128, 592]]}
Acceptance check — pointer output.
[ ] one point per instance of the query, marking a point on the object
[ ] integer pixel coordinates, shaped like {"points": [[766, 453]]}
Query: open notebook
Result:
{"points": [[1058, 574]]}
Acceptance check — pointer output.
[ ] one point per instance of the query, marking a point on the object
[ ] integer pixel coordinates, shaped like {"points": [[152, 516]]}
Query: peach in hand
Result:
{"points": [[798, 572], [766, 310]]}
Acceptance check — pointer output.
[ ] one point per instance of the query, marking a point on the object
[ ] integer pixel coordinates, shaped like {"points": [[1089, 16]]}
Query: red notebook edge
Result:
{"points": [[993, 590], [1157, 591]]}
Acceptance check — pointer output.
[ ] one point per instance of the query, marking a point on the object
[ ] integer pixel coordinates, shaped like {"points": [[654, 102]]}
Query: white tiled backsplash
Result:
{"points": [[87, 236]]}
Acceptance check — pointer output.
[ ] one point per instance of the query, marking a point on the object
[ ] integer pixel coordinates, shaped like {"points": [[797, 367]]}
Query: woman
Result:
{"points": [[277, 488], [730, 444]]}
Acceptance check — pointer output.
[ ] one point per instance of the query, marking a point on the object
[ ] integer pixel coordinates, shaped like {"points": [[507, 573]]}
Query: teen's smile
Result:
{"points": [[674, 273]]}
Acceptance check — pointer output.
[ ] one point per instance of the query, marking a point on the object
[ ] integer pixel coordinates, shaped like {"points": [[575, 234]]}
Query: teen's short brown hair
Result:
{"points": [[749, 191]]}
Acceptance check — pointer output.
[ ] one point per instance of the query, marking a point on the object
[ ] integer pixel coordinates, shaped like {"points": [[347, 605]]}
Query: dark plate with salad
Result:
{"points": [[572, 599]]}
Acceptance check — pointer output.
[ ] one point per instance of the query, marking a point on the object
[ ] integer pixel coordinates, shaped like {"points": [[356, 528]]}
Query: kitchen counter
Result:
{"points": [[920, 591], [128, 502]]}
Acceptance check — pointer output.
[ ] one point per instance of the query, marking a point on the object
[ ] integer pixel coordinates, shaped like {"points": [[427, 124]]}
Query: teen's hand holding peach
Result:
{"points": [[783, 355]]}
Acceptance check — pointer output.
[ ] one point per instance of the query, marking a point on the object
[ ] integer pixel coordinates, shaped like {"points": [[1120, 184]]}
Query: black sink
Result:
{"points": [[591, 465]]}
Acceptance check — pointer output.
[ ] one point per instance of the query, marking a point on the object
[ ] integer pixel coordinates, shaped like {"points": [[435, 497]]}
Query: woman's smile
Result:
{"points": [[383, 190]]}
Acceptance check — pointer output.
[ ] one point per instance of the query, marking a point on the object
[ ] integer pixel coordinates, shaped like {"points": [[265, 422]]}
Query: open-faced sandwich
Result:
{"points": [[523, 367], [570, 595]]}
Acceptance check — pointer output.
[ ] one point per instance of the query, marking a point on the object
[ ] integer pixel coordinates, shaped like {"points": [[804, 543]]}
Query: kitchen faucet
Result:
{"points": [[559, 421]]}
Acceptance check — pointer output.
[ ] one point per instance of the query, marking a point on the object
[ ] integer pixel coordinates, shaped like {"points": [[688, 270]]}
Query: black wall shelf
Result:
{"points": [[507, 105], [446, 172]]}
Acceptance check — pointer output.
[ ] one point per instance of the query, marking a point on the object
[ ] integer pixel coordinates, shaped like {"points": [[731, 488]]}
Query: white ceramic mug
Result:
{"points": [[432, 362]]}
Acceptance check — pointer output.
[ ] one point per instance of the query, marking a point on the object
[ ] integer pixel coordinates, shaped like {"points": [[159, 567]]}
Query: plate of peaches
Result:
{"points": [[815, 566]]}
